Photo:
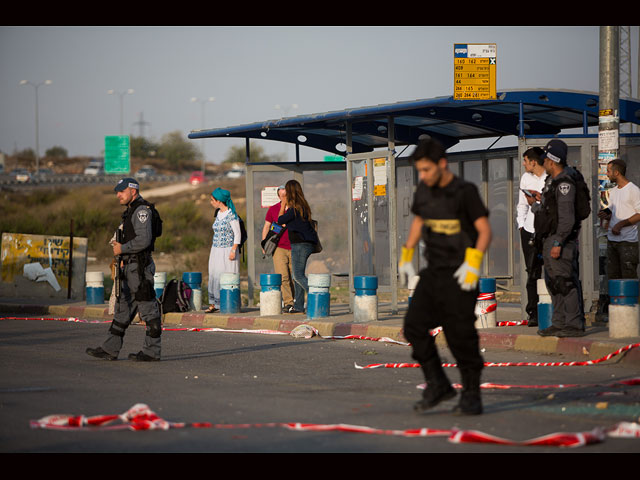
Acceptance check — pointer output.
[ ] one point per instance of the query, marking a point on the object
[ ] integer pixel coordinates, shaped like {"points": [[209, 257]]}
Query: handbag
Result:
{"points": [[318, 246], [271, 240]]}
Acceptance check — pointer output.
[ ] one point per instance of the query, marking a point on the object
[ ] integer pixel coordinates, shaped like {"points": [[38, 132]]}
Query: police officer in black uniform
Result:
{"points": [[453, 222], [557, 227], [137, 267]]}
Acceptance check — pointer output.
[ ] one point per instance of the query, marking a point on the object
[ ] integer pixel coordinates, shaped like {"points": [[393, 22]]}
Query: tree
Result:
{"points": [[179, 152], [143, 147], [56, 152]]}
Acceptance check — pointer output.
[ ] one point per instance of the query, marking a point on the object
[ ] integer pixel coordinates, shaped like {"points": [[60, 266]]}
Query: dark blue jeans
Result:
{"points": [[300, 253]]}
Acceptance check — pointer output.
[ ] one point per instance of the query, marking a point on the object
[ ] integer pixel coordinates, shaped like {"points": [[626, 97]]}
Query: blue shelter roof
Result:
{"points": [[543, 112]]}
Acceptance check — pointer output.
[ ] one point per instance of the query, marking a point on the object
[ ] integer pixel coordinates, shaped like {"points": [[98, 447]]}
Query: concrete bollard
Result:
{"points": [[194, 280], [411, 285], [229, 293], [270, 294], [159, 282], [319, 297], [545, 306], [95, 288], [486, 304], [365, 307], [624, 318]]}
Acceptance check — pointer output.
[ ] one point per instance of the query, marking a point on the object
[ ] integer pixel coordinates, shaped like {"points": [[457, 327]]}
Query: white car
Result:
{"points": [[22, 175], [145, 171], [235, 173], [94, 169]]}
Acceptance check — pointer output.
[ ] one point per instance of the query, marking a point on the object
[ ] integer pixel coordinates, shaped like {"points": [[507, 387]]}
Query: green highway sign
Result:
{"points": [[117, 154]]}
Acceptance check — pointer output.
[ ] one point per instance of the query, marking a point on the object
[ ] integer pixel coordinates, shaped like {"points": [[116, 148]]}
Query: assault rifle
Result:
{"points": [[117, 281]]}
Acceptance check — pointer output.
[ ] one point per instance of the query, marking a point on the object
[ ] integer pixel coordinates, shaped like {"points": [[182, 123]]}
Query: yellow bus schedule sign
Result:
{"points": [[474, 71]]}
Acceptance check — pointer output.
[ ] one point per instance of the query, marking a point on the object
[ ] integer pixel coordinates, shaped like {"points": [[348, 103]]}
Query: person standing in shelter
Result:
{"points": [[138, 268], [295, 213], [557, 225], [531, 183], [623, 215], [224, 255], [282, 255], [451, 218]]}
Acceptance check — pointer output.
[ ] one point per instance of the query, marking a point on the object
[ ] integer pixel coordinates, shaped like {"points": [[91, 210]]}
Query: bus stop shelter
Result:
{"points": [[360, 184]]}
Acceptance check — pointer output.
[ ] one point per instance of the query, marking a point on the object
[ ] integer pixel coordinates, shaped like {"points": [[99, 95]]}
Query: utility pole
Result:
{"points": [[141, 123], [608, 137]]}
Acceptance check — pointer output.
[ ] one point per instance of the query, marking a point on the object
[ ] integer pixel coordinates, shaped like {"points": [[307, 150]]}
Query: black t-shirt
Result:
{"points": [[448, 214]]}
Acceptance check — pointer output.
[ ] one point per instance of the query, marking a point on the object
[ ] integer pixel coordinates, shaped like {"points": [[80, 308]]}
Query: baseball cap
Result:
{"points": [[281, 187], [126, 183], [556, 150]]}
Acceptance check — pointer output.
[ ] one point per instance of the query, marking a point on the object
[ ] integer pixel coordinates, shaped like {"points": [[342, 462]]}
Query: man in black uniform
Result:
{"points": [[137, 267], [454, 224], [558, 228]]}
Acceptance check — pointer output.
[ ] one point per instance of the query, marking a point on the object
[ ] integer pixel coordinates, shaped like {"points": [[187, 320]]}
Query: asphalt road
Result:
{"points": [[245, 380]]}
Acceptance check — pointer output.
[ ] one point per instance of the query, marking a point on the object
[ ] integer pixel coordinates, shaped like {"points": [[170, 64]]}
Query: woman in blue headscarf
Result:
{"points": [[223, 257]]}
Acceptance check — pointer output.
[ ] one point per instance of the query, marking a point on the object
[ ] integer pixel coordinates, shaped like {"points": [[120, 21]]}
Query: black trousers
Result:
{"points": [[439, 301], [533, 265]]}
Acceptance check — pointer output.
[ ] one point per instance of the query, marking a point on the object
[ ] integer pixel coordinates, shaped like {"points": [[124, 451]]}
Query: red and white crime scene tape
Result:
{"points": [[513, 364], [141, 417]]}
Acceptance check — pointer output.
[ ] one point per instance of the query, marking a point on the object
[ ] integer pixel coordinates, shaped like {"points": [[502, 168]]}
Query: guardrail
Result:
{"points": [[77, 179]]}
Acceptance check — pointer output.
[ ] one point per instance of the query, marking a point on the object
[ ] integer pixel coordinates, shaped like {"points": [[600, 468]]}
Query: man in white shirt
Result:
{"points": [[623, 214], [532, 180]]}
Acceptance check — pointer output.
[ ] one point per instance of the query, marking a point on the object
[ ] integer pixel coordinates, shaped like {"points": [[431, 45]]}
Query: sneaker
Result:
{"points": [[532, 322], [571, 332], [100, 353], [142, 357], [294, 310], [549, 331], [287, 308]]}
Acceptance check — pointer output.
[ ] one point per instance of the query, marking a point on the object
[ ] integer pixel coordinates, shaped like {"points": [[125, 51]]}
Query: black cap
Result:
{"points": [[126, 183], [556, 150]]}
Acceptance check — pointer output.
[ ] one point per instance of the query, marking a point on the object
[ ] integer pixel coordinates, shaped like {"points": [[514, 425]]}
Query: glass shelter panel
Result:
{"points": [[263, 182], [363, 263], [497, 193], [324, 191]]}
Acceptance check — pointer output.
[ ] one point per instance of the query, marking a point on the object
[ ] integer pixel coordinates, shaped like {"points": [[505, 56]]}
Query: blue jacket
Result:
{"points": [[299, 229]]}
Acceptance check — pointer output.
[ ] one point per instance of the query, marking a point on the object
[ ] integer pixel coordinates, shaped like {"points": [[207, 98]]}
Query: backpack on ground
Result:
{"points": [[175, 297]]}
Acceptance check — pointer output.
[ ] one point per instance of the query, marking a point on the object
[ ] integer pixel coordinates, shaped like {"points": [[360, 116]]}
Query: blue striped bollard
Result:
{"points": [[95, 288], [486, 304], [545, 306], [194, 280], [229, 293], [270, 294], [624, 320], [159, 282], [365, 307], [319, 297]]}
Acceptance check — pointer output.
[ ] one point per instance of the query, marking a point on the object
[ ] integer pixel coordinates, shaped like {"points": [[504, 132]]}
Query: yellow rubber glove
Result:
{"points": [[468, 273], [405, 266]]}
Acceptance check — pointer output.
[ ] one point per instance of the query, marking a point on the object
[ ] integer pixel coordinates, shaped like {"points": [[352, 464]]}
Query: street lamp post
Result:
{"points": [[121, 95], [36, 86], [202, 103]]}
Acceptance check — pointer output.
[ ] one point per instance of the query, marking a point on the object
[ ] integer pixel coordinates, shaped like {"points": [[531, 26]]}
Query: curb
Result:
{"points": [[530, 342]]}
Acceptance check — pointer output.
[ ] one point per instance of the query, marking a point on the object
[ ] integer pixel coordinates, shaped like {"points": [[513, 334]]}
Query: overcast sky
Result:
{"points": [[249, 70]]}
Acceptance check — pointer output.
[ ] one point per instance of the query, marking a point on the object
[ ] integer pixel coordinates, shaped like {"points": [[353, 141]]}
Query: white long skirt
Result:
{"points": [[219, 263]]}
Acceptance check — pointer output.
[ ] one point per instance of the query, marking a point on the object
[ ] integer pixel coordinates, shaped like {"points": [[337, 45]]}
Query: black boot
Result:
{"points": [[470, 401], [438, 388]]}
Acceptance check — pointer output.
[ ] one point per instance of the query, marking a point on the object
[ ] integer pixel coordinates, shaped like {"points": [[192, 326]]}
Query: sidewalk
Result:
{"points": [[595, 345]]}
